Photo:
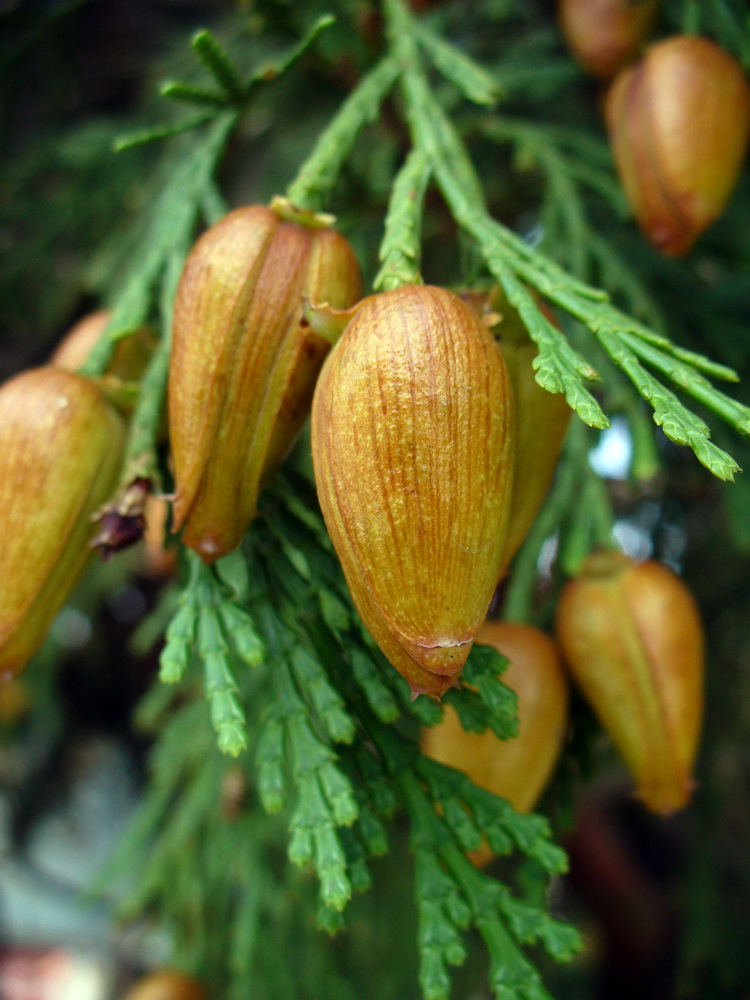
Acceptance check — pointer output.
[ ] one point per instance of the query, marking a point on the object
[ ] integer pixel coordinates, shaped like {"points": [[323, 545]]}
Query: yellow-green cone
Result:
{"points": [[412, 439], [61, 446], [244, 363]]}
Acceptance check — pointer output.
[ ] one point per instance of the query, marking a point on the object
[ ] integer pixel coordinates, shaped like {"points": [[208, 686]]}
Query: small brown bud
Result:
{"points": [[122, 522]]}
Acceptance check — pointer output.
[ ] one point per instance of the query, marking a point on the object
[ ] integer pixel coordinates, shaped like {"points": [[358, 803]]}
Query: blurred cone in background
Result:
{"points": [[61, 446], [679, 123]]}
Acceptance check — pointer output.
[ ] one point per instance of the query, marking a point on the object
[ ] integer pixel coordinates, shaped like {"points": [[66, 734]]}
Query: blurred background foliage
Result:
{"points": [[664, 904]]}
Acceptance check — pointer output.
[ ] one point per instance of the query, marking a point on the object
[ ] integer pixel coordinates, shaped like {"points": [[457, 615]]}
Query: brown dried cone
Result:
{"points": [[517, 769], [632, 637], [166, 984], [129, 360], [679, 123], [605, 35], [61, 446], [412, 437], [244, 363]]}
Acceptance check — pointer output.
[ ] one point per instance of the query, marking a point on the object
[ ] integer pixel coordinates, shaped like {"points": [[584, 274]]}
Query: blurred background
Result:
{"points": [[664, 904]]}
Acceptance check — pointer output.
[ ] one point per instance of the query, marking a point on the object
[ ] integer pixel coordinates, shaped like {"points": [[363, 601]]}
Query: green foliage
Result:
{"points": [[332, 762], [233, 93], [328, 725], [324, 731]]}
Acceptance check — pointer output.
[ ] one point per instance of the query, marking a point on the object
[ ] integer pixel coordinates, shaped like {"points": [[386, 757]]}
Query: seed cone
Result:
{"points": [[244, 363], [632, 638], [541, 417], [129, 360], [60, 451], [679, 123], [412, 438], [542, 420], [605, 35], [517, 769]]}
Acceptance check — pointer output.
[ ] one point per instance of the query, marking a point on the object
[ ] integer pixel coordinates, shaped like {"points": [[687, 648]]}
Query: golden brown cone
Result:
{"points": [[542, 420], [679, 123], [61, 446], [412, 438], [517, 769], [166, 984], [244, 363], [541, 417], [605, 35], [131, 355], [632, 637]]}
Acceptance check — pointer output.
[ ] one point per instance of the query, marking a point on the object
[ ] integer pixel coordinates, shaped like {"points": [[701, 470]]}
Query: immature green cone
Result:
{"points": [[679, 123], [61, 446], [412, 437], [632, 637], [244, 363]]}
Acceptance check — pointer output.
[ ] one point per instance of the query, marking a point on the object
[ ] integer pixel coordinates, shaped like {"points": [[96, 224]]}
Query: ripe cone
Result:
{"points": [[244, 363], [60, 451], [605, 35], [131, 355], [632, 638], [542, 420], [541, 417], [679, 123], [412, 437], [517, 769]]}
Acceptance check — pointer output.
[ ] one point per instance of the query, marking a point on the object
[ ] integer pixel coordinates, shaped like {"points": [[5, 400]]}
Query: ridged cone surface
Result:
{"points": [[244, 363], [632, 637], [412, 440], [61, 446], [679, 123]]}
